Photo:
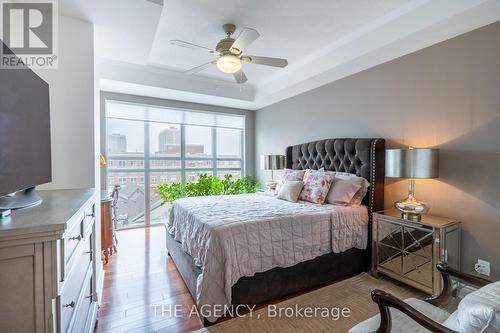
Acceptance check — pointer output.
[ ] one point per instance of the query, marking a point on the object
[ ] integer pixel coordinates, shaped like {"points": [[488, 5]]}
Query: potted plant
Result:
{"points": [[207, 185]]}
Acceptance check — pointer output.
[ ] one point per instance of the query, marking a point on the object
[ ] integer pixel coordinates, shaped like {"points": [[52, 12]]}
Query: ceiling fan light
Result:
{"points": [[229, 64]]}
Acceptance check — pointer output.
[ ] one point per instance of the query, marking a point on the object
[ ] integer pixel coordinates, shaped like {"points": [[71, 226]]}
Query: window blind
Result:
{"points": [[129, 111]]}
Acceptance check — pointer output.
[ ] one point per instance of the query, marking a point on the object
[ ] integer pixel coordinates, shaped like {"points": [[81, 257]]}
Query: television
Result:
{"points": [[25, 154]]}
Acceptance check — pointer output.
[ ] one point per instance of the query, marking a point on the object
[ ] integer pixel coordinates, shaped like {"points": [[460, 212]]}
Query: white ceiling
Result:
{"points": [[323, 41], [291, 29]]}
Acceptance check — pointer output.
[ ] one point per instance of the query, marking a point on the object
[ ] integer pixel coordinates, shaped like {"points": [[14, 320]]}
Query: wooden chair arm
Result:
{"points": [[385, 301], [446, 272]]}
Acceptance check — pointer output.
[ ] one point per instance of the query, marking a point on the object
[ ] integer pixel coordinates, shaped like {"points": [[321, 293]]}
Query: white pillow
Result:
{"points": [[290, 190], [479, 311]]}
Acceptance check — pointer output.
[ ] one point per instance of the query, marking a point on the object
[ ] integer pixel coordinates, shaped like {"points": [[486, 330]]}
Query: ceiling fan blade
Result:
{"points": [[240, 76], [246, 37], [189, 45], [198, 68], [267, 61]]}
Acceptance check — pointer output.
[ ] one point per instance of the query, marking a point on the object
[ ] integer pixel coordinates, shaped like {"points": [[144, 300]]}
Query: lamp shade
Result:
{"points": [[272, 162], [412, 163]]}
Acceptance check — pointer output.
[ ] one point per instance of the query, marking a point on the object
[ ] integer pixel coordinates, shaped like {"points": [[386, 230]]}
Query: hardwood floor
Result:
{"points": [[139, 277]]}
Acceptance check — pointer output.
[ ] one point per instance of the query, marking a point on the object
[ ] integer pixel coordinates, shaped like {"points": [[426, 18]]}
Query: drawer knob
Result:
{"points": [[77, 238], [90, 215], [70, 305]]}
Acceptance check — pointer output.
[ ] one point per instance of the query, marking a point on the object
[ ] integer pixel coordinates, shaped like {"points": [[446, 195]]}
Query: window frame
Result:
{"points": [[146, 159]]}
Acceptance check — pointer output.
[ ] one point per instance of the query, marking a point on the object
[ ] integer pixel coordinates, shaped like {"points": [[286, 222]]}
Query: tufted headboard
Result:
{"points": [[363, 157]]}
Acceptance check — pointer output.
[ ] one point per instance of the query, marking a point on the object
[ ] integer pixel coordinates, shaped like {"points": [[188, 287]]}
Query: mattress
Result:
{"points": [[239, 235]]}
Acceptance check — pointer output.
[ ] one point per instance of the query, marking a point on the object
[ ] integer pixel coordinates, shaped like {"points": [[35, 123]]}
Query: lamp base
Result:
{"points": [[411, 216], [411, 208], [271, 185]]}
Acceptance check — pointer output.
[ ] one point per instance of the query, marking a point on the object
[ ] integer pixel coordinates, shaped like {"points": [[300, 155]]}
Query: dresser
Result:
{"points": [[409, 250], [50, 271]]}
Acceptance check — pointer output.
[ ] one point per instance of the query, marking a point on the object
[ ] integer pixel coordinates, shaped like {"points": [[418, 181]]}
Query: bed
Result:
{"points": [[252, 248]]}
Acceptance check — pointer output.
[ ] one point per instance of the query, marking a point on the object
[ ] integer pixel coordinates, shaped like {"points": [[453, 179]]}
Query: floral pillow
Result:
{"points": [[290, 174], [316, 186]]}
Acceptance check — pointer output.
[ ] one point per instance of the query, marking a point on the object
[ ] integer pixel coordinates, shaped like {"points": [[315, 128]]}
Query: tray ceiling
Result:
{"points": [[323, 41]]}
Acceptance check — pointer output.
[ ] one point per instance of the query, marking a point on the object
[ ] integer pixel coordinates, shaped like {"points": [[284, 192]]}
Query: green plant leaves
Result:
{"points": [[207, 185]]}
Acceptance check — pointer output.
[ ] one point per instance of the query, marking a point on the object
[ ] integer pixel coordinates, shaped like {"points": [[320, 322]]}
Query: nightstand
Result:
{"points": [[409, 250]]}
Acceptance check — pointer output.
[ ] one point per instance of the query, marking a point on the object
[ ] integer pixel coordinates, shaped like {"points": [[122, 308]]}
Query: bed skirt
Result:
{"points": [[277, 282]]}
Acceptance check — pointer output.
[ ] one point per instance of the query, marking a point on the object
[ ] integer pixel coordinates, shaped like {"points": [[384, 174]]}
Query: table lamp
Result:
{"points": [[272, 162], [412, 163]]}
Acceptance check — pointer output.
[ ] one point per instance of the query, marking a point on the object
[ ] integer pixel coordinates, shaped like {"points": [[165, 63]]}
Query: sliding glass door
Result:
{"points": [[148, 145]]}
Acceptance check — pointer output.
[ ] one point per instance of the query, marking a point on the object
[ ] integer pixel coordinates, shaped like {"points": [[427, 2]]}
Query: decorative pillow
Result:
{"points": [[479, 311], [342, 191], [360, 194], [290, 190], [316, 186], [290, 174]]}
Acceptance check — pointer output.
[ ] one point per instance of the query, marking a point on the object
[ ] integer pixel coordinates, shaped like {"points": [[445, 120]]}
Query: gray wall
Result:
{"points": [[447, 96]]}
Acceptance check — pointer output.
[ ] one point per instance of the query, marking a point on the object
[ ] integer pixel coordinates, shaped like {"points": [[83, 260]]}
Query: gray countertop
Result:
{"points": [[57, 208]]}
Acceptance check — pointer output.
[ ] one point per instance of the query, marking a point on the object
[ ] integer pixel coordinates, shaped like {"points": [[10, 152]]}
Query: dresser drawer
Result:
{"points": [[83, 311], [71, 241], [74, 238], [72, 289], [88, 219]]}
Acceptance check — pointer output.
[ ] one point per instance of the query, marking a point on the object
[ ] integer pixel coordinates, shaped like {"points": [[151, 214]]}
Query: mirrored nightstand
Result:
{"points": [[408, 251]]}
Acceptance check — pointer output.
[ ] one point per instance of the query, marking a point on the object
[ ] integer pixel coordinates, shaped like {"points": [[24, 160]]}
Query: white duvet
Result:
{"points": [[239, 235]]}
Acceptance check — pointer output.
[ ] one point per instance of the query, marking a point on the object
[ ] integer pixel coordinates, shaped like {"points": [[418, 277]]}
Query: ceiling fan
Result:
{"points": [[229, 53]]}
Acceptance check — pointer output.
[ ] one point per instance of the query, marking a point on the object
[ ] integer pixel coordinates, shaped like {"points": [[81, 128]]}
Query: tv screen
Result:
{"points": [[24, 130]]}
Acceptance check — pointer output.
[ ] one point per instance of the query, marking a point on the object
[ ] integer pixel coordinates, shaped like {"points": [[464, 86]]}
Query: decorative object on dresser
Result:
{"points": [[50, 272], [409, 250], [272, 162], [108, 238], [412, 163]]}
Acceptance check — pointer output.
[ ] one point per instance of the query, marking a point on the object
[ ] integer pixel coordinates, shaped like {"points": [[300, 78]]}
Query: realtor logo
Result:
{"points": [[28, 34]]}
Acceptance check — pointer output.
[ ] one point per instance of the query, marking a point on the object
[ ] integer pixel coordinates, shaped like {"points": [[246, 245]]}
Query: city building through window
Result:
{"points": [[149, 145]]}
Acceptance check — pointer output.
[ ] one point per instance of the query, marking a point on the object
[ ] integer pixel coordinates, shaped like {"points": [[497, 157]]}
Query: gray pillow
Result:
{"points": [[342, 191], [290, 190]]}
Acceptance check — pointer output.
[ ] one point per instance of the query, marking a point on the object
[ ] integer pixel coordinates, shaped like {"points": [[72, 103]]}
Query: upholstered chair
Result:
{"points": [[478, 311]]}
